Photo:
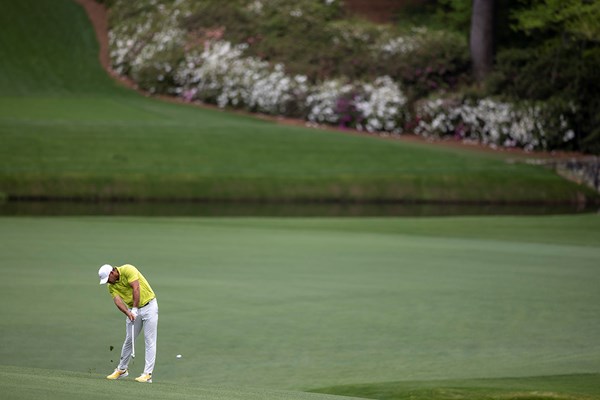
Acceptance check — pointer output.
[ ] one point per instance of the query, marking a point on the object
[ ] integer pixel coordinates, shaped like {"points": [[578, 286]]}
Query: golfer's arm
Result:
{"points": [[121, 305], [135, 285]]}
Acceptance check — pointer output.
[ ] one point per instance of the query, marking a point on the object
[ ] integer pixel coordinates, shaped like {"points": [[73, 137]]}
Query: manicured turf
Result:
{"points": [[68, 131], [302, 304], [565, 387], [382, 307], [30, 383]]}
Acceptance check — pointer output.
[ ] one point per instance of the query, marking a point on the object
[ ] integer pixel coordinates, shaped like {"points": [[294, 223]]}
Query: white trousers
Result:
{"points": [[148, 320]]}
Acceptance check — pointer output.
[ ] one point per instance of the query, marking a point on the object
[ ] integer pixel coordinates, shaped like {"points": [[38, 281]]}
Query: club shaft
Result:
{"points": [[132, 339]]}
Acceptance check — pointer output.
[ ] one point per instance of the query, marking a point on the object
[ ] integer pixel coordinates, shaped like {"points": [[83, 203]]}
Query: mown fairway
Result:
{"points": [[68, 131], [385, 308], [302, 304]]}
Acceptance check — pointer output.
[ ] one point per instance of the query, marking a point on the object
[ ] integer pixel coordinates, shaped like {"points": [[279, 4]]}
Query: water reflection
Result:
{"points": [[233, 209]]}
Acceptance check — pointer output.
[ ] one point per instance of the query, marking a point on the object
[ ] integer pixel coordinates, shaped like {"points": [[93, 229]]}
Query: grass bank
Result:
{"points": [[68, 131]]}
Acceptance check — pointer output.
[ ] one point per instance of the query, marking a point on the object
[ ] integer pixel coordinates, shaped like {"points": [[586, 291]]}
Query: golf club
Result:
{"points": [[132, 340]]}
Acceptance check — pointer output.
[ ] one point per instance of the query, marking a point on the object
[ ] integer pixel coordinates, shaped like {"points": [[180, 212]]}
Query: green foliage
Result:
{"points": [[114, 143], [559, 65], [299, 39], [322, 45], [315, 39], [311, 38], [576, 18], [281, 31], [152, 76], [455, 14], [107, 3], [349, 48], [569, 86], [215, 18], [439, 62]]}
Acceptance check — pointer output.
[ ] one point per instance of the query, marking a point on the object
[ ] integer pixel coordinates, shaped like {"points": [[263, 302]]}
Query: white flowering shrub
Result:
{"points": [[142, 46], [375, 107], [323, 102], [383, 106], [493, 123], [277, 93], [363, 78], [152, 46], [221, 74], [388, 45], [204, 75]]}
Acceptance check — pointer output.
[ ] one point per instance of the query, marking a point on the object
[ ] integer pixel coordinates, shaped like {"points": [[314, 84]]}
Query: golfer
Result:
{"points": [[134, 297]]}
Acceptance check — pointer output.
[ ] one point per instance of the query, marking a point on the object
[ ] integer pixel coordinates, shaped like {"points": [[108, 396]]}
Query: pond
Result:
{"points": [[245, 209]]}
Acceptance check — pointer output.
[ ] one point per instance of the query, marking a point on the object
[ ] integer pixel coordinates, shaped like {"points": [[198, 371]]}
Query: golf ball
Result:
{"points": [[178, 355]]}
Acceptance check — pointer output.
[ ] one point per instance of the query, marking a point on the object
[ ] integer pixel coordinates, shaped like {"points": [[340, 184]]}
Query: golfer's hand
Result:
{"points": [[132, 314]]}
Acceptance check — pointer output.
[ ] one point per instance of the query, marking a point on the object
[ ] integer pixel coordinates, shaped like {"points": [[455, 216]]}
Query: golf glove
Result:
{"points": [[134, 311]]}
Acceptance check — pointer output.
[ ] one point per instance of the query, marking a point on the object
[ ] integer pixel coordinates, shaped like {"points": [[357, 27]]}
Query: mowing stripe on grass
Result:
{"points": [[307, 303], [32, 383]]}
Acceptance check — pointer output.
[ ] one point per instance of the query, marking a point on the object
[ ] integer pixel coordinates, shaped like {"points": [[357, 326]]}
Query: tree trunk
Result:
{"points": [[482, 38]]}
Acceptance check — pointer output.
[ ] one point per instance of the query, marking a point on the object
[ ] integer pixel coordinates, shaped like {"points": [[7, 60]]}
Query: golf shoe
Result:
{"points": [[144, 378], [118, 374]]}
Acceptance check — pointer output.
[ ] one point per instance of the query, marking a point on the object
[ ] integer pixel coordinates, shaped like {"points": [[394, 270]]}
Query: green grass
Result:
{"points": [[30, 383], [68, 131], [565, 387], [49, 48], [301, 304], [386, 308]]}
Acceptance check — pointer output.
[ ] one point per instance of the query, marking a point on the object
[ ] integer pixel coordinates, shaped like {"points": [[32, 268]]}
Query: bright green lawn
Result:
{"points": [[561, 387], [301, 304], [30, 383], [67, 130]]}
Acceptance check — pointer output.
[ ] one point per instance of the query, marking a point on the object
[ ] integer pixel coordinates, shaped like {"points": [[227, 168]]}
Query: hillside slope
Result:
{"points": [[69, 131]]}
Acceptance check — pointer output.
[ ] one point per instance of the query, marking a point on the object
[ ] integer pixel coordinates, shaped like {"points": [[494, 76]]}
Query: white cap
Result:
{"points": [[103, 273]]}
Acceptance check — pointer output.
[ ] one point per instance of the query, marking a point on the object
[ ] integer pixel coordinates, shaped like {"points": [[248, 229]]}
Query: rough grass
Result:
{"points": [[565, 387], [67, 131]]}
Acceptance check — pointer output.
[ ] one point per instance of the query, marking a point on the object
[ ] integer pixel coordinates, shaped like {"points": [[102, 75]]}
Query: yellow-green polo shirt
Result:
{"points": [[122, 288]]}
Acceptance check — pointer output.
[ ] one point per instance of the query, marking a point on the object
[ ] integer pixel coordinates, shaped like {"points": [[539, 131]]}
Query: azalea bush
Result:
{"points": [[222, 75], [564, 75], [306, 59], [283, 31], [425, 60], [377, 106], [495, 123], [146, 41], [310, 37]]}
